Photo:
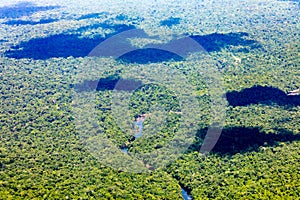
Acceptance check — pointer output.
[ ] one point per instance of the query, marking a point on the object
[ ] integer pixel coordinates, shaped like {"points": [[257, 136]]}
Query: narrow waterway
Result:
{"points": [[185, 194], [125, 150]]}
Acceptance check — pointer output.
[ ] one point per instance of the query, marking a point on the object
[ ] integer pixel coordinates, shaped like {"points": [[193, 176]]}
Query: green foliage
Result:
{"points": [[43, 154], [272, 172]]}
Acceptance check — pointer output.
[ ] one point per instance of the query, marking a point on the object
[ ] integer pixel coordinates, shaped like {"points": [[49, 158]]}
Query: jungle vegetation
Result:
{"points": [[45, 70]]}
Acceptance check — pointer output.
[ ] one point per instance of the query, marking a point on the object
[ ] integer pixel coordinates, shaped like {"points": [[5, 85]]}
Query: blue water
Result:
{"points": [[125, 150], [138, 135], [185, 195], [139, 124]]}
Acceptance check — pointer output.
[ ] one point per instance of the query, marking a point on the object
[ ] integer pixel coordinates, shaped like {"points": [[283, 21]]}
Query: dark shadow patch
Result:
{"points": [[217, 41], [149, 55], [128, 85], [24, 22], [62, 45], [241, 140], [108, 83], [65, 45], [261, 95], [170, 21], [23, 9], [93, 16], [153, 53]]}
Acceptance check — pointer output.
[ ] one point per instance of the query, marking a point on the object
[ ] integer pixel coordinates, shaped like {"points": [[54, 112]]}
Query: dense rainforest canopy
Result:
{"points": [[66, 115]]}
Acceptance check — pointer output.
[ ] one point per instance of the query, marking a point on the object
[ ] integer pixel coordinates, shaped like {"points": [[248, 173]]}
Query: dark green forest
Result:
{"points": [[68, 112]]}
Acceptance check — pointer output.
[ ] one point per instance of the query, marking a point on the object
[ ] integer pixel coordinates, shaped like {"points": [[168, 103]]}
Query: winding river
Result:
{"points": [[184, 193]]}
